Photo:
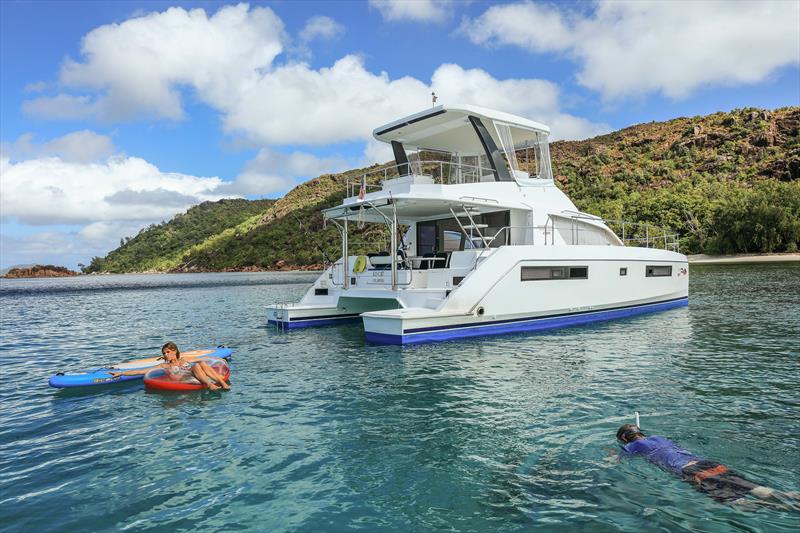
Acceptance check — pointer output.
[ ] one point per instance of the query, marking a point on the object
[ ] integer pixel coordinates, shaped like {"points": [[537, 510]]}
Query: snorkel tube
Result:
{"points": [[627, 432]]}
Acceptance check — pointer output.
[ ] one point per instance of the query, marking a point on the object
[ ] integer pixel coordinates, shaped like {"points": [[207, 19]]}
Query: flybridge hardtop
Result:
{"points": [[480, 241], [437, 128], [470, 131]]}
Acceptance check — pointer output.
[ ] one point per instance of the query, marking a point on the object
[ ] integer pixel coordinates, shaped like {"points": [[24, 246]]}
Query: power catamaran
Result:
{"points": [[481, 241]]}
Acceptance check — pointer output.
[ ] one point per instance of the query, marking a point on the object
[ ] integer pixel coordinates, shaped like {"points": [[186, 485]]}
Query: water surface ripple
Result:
{"points": [[323, 432]]}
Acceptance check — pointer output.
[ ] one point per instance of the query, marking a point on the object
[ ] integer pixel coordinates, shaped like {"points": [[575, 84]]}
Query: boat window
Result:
{"points": [[578, 272], [426, 238], [534, 273], [525, 152], [658, 271], [452, 241], [623, 271], [445, 235]]}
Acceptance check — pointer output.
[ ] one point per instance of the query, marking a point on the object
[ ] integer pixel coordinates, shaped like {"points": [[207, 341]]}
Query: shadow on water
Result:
{"points": [[111, 389], [176, 399]]}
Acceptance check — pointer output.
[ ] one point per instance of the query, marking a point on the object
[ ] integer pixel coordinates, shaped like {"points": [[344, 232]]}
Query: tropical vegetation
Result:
{"points": [[726, 183]]}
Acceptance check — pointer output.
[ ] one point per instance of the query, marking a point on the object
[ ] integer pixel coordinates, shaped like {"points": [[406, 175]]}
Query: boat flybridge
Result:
{"points": [[481, 241]]}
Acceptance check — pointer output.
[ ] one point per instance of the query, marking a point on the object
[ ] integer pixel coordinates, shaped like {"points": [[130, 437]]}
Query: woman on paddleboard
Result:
{"points": [[174, 366]]}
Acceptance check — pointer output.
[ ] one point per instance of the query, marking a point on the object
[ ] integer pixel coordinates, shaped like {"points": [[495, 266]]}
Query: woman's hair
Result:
{"points": [[173, 346], [628, 431]]}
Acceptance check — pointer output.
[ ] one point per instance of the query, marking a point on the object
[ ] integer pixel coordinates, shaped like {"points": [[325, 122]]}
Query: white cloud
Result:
{"points": [[35, 87], [634, 48], [80, 146], [46, 247], [272, 171], [376, 151], [59, 247], [140, 66], [346, 101], [53, 191], [320, 27], [306, 106], [141, 63], [63, 107], [416, 10], [536, 27]]}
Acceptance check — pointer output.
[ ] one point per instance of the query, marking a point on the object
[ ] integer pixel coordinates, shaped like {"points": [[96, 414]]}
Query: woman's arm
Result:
{"points": [[139, 372]]}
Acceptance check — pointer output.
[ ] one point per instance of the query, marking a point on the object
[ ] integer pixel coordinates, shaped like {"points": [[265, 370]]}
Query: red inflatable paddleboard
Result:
{"points": [[161, 379]]}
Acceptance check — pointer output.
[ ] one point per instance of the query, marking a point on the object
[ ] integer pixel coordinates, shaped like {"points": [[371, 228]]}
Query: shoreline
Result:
{"points": [[743, 259], [695, 259], [153, 272]]}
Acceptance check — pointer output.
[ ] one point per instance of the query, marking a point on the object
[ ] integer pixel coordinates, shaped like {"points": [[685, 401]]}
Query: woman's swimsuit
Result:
{"points": [[179, 370]]}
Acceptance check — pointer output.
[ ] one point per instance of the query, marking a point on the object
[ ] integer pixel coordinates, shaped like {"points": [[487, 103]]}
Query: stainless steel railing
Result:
{"points": [[642, 234], [442, 172]]}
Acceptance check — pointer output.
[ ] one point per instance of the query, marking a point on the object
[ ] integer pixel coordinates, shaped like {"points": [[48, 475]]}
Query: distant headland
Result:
{"points": [[39, 271]]}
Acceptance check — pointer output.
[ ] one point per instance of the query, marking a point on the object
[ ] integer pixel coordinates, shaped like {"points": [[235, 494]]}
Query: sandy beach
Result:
{"points": [[742, 259]]}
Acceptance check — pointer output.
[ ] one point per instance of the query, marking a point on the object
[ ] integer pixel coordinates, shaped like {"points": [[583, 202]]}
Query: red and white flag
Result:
{"points": [[363, 190]]}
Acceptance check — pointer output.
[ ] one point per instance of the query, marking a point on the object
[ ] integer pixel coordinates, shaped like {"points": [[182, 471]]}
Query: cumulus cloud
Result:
{"points": [[346, 101], [320, 27], [35, 87], [141, 66], [376, 151], [63, 107], [53, 191], [80, 146], [339, 103], [272, 171], [67, 248], [415, 10], [633, 48]]}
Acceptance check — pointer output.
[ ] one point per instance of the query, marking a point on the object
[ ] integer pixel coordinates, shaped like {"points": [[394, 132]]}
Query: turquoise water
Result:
{"points": [[323, 432]]}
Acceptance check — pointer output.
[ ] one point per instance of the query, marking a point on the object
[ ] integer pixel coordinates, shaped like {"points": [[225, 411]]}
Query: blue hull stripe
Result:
{"points": [[442, 333], [297, 324]]}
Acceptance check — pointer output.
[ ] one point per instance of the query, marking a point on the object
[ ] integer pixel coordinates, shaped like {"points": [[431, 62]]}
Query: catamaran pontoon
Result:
{"points": [[481, 241]]}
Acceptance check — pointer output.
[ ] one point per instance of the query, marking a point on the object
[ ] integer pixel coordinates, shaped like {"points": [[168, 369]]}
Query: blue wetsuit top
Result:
{"points": [[661, 452]]}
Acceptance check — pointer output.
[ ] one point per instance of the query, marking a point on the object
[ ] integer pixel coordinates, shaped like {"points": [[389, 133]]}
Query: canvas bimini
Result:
{"points": [[481, 241]]}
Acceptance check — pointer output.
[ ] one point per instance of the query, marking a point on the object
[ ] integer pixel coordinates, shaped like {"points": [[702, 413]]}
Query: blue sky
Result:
{"points": [[116, 115]]}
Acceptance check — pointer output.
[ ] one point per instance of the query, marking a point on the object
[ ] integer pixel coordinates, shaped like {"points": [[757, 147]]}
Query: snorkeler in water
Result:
{"points": [[707, 476], [175, 366]]}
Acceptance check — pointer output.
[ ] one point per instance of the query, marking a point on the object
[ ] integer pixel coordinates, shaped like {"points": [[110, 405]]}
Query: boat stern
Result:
{"points": [[293, 316]]}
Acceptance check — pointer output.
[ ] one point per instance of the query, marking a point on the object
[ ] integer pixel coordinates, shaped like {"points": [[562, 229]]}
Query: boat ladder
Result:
{"points": [[469, 230], [282, 316]]}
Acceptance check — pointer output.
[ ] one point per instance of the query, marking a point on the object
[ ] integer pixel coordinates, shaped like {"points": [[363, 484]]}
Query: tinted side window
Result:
{"points": [[658, 271], [533, 273]]}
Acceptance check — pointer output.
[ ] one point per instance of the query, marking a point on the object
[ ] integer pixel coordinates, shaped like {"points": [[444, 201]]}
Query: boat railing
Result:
{"points": [[642, 234], [442, 172]]}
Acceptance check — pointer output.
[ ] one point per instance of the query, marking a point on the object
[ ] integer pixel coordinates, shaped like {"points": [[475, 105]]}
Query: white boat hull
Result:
{"points": [[493, 299]]}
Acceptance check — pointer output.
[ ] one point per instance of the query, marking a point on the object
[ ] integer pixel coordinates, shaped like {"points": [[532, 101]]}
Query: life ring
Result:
{"points": [[360, 264]]}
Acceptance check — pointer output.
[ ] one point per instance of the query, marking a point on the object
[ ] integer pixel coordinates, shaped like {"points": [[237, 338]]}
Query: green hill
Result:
{"points": [[727, 182], [161, 246]]}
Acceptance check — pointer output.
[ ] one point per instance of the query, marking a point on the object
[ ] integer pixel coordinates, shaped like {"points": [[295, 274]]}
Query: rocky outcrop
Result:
{"points": [[40, 271]]}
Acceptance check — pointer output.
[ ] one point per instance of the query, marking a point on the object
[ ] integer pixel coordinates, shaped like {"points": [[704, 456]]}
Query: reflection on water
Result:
{"points": [[325, 432]]}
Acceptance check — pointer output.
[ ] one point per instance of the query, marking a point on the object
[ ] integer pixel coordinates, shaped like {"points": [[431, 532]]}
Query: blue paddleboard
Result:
{"points": [[102, 376]]}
